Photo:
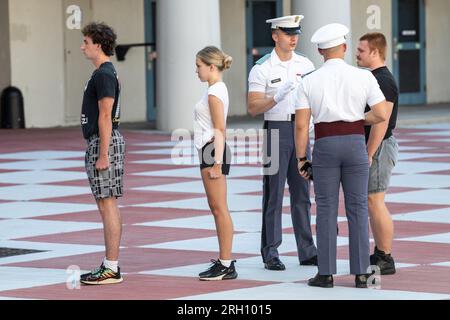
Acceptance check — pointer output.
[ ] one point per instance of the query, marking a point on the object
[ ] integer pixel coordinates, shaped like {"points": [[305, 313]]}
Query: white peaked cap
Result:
{"points": [[330, 35], [289, 24]]}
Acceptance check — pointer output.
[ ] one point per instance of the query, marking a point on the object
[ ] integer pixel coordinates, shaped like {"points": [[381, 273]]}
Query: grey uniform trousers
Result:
{"points": [[336, 160], [274, 186]]}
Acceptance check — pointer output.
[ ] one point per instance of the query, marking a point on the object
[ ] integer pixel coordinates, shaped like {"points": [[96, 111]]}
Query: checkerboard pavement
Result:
{"points": [[169, 234]]}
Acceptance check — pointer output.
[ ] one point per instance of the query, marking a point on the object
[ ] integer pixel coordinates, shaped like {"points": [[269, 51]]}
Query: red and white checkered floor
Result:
{"points": [[169, 235]]}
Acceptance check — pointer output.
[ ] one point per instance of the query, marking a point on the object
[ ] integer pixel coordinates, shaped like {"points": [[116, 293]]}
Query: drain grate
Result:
{"points": [[9, 252]]}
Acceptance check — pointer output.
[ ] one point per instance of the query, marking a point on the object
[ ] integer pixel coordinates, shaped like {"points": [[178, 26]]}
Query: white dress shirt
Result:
{"points": [[338, 91], [270, 73]]}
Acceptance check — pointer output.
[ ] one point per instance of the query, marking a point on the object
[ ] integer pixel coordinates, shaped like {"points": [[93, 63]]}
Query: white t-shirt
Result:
{"points": [[203, 126], [338, 92]]}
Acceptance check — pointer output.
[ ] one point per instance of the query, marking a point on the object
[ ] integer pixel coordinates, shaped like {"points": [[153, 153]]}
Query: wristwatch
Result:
{"points": [[218, 162], [302, 159]]}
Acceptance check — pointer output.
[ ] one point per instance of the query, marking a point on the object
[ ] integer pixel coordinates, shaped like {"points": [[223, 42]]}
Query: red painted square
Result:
{"points": [[130, 215], [132, 236], [136, 287], [131, 197]]}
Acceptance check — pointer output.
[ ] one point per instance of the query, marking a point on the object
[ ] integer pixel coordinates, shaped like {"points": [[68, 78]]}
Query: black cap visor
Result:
{"points": [[291, 31]]}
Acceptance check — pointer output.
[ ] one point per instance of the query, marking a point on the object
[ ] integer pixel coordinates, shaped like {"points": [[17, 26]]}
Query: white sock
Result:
{"points": [[226, 263], [113, 265]]}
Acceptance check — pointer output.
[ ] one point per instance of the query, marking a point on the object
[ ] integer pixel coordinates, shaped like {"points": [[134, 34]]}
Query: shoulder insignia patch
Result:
{"points": [[263, 59]]}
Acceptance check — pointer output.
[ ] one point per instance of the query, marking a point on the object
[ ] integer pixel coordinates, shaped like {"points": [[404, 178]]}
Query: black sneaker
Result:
{"points": [[322, 281], [384, 261], [275, 264], [101, 276], [361, 280], [217, 271]]}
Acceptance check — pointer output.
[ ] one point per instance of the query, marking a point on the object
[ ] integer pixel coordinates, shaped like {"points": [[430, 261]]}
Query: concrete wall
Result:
{"points": [[438, 40], [127, 19], [232, 18], [5, 56], [197, 24], [315, 17], [37, 59], [362, 23]]}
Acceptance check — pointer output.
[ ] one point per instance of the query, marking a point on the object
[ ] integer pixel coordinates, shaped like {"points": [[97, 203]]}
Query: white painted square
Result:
{"points": [[420, 181], [235, 203], [435, 238], [35, 192], [433, 216], [441, 264], [430, 196], [301, 291], [235, 172], [242, 222], [233, 187], [12, 278], [18, 210], [36, 177], [42, 165], [410, 167], [21, 228], [43, 155], [409, 155]]}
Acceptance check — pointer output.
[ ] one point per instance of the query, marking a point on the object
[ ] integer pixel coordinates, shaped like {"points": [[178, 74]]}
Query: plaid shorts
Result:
{"points": [[108, 183]]}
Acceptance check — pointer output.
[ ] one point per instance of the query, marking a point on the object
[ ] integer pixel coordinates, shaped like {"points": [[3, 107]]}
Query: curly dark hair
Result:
{"points": [[102, 34]]}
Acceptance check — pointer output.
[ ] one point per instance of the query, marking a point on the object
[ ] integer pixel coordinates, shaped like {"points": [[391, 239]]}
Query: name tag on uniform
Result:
{"points": [[275, 81]]}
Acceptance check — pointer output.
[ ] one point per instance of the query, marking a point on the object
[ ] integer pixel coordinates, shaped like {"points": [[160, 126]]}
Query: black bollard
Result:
{"points": [[12, 109]]}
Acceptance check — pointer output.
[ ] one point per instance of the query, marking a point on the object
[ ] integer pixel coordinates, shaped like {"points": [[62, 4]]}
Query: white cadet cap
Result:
{"points": [[330, 35], [288, 24]]}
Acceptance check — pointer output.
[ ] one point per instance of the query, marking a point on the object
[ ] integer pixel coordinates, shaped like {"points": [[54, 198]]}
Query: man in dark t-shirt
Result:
{"points": [[382, 149], [105, 154]]}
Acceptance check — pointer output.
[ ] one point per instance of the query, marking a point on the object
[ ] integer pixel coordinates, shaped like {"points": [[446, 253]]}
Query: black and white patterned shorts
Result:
{"points": [[108, 183]]}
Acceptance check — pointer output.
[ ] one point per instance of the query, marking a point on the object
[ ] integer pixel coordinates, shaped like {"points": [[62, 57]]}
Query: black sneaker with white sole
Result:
{"points": [[384, 261], [217, 271], [101, 276]]}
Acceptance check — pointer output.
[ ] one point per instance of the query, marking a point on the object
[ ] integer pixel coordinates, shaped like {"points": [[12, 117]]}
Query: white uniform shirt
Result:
{"points": [[270, 73], [338, 92], [203, 125]]}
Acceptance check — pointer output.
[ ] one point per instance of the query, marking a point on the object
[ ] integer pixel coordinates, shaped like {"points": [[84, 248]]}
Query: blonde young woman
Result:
{"points": [[215, 156]]}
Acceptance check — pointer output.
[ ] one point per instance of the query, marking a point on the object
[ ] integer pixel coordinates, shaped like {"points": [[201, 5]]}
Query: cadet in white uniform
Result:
{"points": [[271, 84], [336, 95]]}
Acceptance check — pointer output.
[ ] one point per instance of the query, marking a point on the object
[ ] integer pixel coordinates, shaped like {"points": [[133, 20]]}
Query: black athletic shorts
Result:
{"points": [[207, 153]]}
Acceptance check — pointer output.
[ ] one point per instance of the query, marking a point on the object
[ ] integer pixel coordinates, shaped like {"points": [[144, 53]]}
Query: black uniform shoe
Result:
{"points": [[310, 262], [384, 261], [323, 281], [218, 271], [361, 280], [275, 264]]}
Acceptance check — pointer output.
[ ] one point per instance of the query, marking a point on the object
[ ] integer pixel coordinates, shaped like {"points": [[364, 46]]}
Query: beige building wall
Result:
{"points": [[5, 56], [37, 59], [437, 54], [233, 35], [372, 16], [38, 48], [127, 19]]}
